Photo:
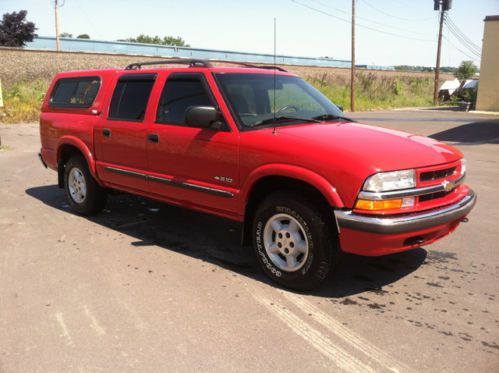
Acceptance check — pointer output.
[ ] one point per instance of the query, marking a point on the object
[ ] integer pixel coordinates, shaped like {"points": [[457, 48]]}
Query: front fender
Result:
{"points": [[294, 172]]}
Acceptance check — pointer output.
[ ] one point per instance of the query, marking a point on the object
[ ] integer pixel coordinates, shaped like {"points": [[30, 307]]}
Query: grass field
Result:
{"points": [[22, 101], [375, 91], [26, 76]]}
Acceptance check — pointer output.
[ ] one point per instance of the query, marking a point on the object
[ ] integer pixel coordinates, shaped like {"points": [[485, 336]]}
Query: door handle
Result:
{"points": [[153, 137], [106, 132]]}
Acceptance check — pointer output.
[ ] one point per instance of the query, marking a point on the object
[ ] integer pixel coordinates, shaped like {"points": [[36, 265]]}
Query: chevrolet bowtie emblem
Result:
{"points": [[448, 185]]}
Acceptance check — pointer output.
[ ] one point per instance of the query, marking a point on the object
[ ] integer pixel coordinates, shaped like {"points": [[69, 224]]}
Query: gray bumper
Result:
{"points": [[41, 160], [406, 223]]}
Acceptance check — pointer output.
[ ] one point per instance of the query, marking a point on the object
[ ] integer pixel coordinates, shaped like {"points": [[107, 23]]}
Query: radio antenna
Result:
{"points": [[275, 51]]}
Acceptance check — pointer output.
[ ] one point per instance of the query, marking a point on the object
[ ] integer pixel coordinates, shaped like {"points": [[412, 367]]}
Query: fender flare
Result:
{"points": [[293, 172], [82, 147]]}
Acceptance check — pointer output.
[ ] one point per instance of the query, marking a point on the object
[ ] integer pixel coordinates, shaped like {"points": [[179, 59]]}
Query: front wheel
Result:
{"points": [[292, 241], [85, 196]]}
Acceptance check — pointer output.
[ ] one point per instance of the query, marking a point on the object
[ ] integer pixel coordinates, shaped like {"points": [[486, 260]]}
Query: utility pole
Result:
{"points": [[442, 6], [352, 70], [56, 11]]}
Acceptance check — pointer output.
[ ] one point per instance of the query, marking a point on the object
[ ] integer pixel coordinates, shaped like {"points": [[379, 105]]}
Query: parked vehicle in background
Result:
{"points": [[256, 145]]}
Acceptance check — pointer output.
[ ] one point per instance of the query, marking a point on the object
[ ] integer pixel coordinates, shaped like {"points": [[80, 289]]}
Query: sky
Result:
{"points": [[388, 32]]}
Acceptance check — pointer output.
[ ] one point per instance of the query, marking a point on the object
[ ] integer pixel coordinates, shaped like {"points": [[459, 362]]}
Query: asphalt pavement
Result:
{"points": [[144, 286]]}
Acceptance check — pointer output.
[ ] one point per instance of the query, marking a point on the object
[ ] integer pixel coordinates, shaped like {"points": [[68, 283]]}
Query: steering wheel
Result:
{"points": [[287, 107]]}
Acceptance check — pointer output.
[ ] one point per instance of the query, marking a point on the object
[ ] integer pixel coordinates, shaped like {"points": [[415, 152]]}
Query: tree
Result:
{"points": [[166, 40], [466, 70], [178, 41], [66, 35], [83, 36], [15, 31]]}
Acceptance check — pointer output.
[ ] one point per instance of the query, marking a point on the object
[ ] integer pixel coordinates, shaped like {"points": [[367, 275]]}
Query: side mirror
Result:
{"points": [[201, 116], [339, 107]]}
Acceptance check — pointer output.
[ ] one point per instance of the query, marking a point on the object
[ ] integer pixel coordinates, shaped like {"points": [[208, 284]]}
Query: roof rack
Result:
{"points": [[269, 67], [198, 63], [190, 62]]}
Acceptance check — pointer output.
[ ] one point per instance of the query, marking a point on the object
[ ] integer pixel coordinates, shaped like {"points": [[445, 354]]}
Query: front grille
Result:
{"points": [[437, 174], [428, 197]]}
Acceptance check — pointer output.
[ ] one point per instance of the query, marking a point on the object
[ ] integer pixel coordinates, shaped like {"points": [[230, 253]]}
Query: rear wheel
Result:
{"points": [[85, 196], [292, 241]]}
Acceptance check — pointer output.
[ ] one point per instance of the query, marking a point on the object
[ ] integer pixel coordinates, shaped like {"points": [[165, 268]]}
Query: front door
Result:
{"points": [[121, 136], [195, 167]]}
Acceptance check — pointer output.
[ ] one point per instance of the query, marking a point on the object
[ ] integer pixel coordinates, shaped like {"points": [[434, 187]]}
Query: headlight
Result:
{"points": [[386, 181], [463, 166]]}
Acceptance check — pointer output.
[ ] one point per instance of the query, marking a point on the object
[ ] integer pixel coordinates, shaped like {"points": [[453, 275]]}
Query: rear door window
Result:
{"points": [[131, 96], [77, 92]]}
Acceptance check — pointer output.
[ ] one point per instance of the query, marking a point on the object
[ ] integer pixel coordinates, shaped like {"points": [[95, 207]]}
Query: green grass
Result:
{"points": [[22, 101], [376, 91]]}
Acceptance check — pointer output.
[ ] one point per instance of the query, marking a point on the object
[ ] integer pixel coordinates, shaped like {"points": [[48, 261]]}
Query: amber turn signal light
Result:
{"points": [[364, 204], [386, 204]]}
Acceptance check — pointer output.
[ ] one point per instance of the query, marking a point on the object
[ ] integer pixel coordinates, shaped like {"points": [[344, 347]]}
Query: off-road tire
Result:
{"points": [[322, 249], [95, 196]]}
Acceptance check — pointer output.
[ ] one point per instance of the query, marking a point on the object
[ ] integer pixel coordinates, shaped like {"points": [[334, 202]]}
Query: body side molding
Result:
{"points": [[172, 182]]}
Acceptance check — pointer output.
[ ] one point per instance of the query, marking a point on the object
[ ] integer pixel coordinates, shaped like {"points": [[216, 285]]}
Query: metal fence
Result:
{"points": [[117, 47]]}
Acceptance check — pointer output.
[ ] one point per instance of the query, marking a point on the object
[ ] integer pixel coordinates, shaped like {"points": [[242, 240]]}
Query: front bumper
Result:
{"points": [[407, 223], [373, 236]]}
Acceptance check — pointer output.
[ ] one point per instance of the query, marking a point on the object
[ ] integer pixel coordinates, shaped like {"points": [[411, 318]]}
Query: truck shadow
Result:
{"points": [[217, 241], [480, 132]]}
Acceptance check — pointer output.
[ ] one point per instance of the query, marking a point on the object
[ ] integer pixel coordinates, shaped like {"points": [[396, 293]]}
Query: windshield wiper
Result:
{"points": [[325, 117], [283, 118]]}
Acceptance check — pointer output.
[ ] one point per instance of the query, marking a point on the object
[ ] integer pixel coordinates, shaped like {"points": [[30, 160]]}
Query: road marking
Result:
{"points": [[347, 335], [139, 322], [93, 322], [65, 332], [320, 342]]}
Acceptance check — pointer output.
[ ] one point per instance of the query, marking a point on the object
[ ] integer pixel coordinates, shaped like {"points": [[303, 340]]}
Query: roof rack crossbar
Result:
{"points": [[190, 62]]}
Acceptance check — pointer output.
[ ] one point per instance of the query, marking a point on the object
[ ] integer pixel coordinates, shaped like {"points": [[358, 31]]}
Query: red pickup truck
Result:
{"points": [[257, 145]]}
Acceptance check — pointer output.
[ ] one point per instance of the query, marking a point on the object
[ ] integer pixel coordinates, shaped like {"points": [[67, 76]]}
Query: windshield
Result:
{"points": [[255, 102]]}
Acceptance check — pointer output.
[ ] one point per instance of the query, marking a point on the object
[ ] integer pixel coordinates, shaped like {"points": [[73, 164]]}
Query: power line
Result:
{"points": [[458, 33], [448, 19], [463, 42], [467, 53], [357, 24], [393, 16], [476, 54], [369, 20], [460, 50]]}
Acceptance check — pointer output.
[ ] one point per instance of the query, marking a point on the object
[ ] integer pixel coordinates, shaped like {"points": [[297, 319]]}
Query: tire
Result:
{"points": [[285, 225], [85, 196]]}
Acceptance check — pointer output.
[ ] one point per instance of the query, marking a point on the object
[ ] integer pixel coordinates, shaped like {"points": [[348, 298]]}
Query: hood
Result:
{"points": [[380, 148], [343, 153]]}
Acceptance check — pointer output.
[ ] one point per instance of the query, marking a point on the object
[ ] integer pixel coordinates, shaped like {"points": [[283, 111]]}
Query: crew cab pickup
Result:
{"points": [[257, 145]]}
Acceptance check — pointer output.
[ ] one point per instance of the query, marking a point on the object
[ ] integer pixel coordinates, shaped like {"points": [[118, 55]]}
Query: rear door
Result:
{"points": [[121, 135]]}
